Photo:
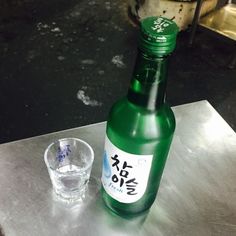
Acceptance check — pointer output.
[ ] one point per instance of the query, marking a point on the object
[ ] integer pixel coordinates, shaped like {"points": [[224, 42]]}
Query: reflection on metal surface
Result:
{"points": [[1, 231], [222, 21]]}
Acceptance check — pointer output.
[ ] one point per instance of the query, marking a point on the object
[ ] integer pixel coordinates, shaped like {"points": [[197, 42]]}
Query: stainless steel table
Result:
{"points": [[197, 195]]}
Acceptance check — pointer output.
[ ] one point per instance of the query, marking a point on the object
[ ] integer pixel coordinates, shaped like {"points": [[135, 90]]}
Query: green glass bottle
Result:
{"points": [[140, 126]]}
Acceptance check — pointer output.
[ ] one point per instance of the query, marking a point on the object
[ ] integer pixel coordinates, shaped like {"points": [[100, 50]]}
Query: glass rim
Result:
{"points": [[64, 139]]}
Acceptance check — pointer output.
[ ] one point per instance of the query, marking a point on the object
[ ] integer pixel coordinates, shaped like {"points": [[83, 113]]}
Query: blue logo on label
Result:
{"points": [[106, 166], [62, 153]]}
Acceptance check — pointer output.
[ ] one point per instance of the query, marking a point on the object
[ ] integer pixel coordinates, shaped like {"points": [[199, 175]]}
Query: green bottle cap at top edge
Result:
{"points": [[158, 35]]}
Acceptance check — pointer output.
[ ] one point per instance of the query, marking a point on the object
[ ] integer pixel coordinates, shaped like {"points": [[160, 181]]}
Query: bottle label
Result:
{"points": [[124, 175]]}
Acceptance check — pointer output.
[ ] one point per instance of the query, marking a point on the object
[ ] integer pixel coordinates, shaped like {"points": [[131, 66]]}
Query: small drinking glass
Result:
{"points": [[69, 162]]}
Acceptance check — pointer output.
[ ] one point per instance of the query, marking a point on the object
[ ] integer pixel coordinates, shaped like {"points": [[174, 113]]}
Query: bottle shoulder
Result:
{"points": [[127, 119]]}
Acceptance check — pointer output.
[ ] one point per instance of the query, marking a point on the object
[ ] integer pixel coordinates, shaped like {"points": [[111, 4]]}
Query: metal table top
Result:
{"points": [[222, 21], [197, 195]]}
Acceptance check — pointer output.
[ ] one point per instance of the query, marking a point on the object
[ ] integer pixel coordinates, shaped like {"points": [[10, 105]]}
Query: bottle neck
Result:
{"points": [[148, 84]]}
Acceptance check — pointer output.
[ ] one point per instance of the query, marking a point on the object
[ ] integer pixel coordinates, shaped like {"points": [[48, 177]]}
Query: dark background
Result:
{"points": [[54, 51]]}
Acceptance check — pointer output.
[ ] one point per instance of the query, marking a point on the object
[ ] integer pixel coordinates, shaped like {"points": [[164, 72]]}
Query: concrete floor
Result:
{"points": [[63, 64]]}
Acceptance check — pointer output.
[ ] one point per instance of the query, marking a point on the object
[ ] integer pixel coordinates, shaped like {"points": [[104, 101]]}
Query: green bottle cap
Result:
{"points": [[158, 35]]}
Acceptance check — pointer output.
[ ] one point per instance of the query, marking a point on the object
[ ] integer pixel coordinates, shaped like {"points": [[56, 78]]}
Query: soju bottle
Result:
{"points": [[140, 126]]}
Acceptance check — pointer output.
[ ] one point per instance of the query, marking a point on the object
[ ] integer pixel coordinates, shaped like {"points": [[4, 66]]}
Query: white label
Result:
{"points": [[124, 175]]}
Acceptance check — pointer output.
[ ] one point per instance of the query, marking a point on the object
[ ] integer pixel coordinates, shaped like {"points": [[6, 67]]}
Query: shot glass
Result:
{"points": [[69, 162]]}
